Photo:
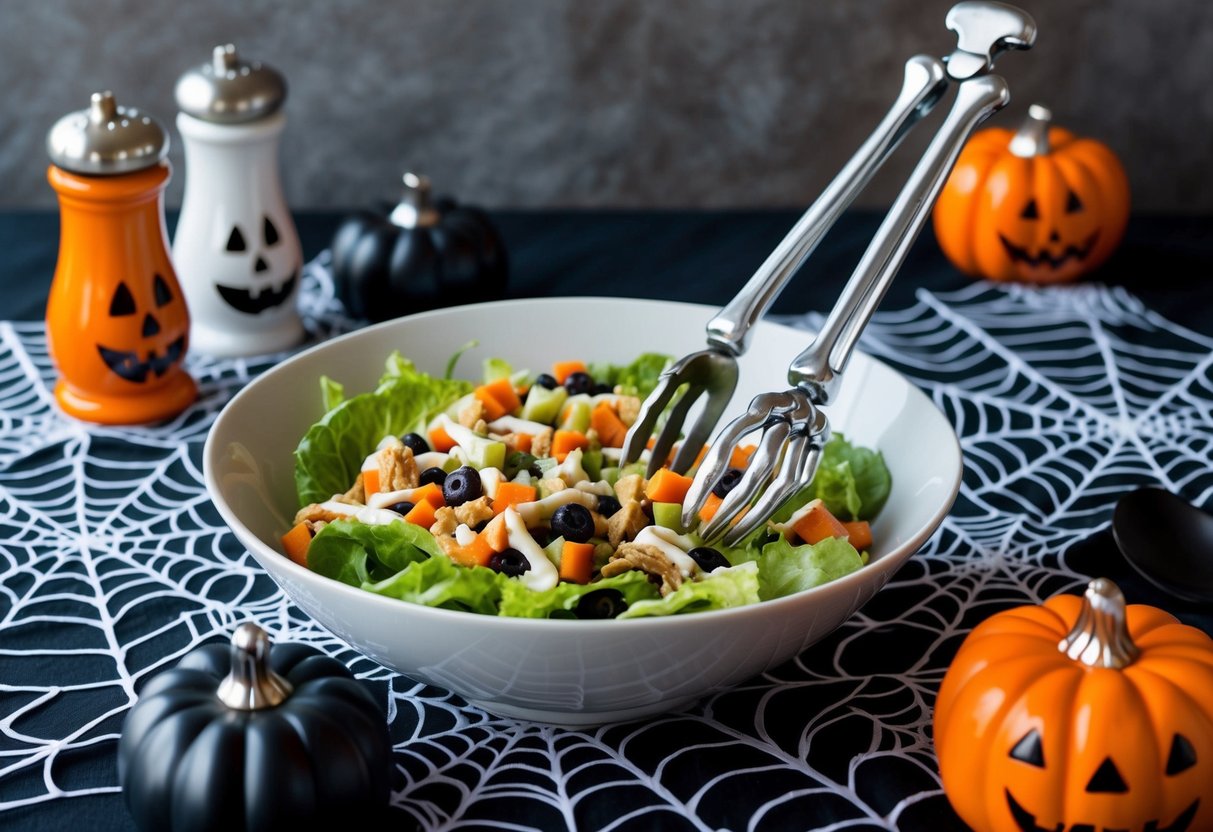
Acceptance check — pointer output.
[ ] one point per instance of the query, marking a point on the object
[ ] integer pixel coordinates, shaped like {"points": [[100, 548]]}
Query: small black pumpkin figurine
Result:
{"points": [[235, 739], [421, 256]]}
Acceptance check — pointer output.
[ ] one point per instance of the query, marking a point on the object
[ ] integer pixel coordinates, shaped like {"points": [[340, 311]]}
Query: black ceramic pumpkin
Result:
{"points": [[422, 255], [235, 739]]}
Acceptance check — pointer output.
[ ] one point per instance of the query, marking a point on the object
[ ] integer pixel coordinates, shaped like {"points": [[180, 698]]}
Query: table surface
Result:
{"points": [[841, 735]]}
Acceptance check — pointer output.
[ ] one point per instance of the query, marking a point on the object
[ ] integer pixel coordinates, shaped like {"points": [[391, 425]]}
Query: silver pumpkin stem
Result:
{"points": [[252, 685], [414, 209], [1033, 137], [1100, 636]]}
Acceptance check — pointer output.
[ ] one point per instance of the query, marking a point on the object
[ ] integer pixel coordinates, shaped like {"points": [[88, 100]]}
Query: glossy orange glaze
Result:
{"points": [[116, 319]]}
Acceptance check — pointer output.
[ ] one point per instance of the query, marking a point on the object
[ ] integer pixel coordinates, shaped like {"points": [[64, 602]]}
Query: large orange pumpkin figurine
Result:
{"points": [[1040, 205], [1080, 714]]}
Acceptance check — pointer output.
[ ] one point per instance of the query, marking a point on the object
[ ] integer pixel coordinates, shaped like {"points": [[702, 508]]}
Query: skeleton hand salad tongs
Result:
{"points": [[794, 428]]}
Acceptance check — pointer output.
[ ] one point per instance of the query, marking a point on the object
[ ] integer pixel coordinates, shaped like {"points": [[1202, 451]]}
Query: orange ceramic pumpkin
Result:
{"points": [[1040, 205], [1080, 715]]}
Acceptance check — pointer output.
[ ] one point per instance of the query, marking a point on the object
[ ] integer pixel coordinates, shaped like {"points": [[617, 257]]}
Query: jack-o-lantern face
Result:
{"points": [[139, 341], [1102, 786], [1040, 205], [1079, 716], [269, 283]]}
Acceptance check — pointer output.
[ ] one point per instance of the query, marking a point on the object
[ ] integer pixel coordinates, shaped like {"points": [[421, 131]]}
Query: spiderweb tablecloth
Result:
{"points": [[113, 563]]}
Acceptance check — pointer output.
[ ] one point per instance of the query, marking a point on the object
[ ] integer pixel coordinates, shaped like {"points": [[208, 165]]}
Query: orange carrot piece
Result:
{"points": [[667, 487], [422, 514], [496, 535], [818, 524], [740, 458], [563, 369], [370, 481], [476, 553], [440, 440], [576, 562], [611, 429], [430, 493], [565, 441], [502, 390], [523, 441], [859, 533], [710, 506], [511, 494], [296, 541], [493, 409]]}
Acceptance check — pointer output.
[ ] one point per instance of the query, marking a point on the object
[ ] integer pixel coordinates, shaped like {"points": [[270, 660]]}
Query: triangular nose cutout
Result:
{"points": [[260, 266], [150, 326], [1107, 779]]}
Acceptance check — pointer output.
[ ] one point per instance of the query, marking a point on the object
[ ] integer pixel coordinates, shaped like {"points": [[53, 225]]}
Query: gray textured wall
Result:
{"points": [[516, 103]]}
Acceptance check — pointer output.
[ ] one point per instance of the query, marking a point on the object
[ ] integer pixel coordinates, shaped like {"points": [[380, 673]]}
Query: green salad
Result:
{"points": [[507, 496]]}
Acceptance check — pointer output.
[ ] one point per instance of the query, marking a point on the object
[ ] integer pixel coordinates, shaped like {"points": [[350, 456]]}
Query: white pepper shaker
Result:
{"points": [[236, 250]]}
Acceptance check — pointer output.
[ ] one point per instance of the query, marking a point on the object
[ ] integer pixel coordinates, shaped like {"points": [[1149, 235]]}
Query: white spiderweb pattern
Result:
{"points": [[113, 564]]}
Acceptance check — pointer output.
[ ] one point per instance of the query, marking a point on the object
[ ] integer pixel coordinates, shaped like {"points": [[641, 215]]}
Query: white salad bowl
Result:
{"points": [[572, 672]]}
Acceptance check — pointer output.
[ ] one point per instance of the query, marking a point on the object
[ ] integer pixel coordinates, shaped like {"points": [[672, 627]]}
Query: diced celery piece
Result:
{"points": [[543, 405], [610, 474], [576, 414], [668, 515], [591, 463], [554, 550], [487, 453]]}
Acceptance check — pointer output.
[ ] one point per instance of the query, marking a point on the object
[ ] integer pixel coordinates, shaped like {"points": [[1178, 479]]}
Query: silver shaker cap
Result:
{"points": [[229, 90], [106, 139]]}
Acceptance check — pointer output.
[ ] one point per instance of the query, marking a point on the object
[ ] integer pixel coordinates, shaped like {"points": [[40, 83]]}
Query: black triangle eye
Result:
{"points": [[235, 240], [1107, 779], [163, 293], [1028, 750], [271, 233], [1073, 203], [123, 302], [1182, 756], [1029, 211]]}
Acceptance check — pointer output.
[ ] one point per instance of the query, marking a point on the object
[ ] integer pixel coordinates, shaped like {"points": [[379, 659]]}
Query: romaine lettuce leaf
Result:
{"points": [[331, 392], [852, 481], [558, 602], [437, 582], [784, 569], [353, 552], [331, 452], [731, 587]]}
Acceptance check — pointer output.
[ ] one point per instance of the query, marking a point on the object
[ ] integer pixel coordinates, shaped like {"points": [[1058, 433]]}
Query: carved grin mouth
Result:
{"points": [[1022, 255], [127, 365], [243, 300], [1027, 821]]}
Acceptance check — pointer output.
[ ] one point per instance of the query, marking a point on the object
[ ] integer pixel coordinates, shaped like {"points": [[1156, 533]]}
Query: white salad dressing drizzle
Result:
{"points": [[363, 514], [383, 499], [512, 424], [490, 478], [464, 535], [431, 459], [785, 528], [673, 545], [540, 511], [570, 470], [541, 574]]}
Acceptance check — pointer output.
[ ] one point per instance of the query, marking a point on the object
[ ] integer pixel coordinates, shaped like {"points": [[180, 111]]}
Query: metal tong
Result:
{"points": [[794, 428]]}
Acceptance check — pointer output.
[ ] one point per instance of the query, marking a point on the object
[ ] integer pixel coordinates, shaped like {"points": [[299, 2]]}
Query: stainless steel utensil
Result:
{"points": [[794, 430]]}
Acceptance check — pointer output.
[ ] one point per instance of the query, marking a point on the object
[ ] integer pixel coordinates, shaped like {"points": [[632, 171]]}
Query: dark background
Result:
{"points": [[611, 103]]}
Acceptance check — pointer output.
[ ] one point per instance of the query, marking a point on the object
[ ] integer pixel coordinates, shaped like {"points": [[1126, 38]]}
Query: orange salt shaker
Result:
{"points": [[116, 319]]}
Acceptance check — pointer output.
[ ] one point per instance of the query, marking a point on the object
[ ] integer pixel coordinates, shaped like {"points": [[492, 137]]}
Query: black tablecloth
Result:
{"points": [[861, 698]]}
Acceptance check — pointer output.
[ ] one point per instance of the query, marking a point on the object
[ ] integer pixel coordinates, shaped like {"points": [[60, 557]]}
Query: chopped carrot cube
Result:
{"points": [[710, 507], [502, 391], [818, 523], [667, 487], [476, 553], [511, 494], [577, 562], [566, 441], [370, 481], [296, 541], [422, 514], [740, 457], [493, 409], [611, 429], [496, 534], [522, 442], [563, 369], [430, 493], [440, 440], [859, 532]]}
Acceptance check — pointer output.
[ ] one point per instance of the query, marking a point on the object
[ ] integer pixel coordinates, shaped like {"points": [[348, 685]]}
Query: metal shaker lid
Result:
{"points": [[106, 139], [229, 90]]}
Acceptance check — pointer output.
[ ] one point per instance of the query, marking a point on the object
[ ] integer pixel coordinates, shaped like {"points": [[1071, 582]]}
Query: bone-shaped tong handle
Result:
{"points": [[983, 30]]}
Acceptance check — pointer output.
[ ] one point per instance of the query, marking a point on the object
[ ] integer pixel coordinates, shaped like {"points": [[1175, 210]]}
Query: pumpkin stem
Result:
{"points": [[414, 209], [1033, 136], [252, 685], [1100, 636]]}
